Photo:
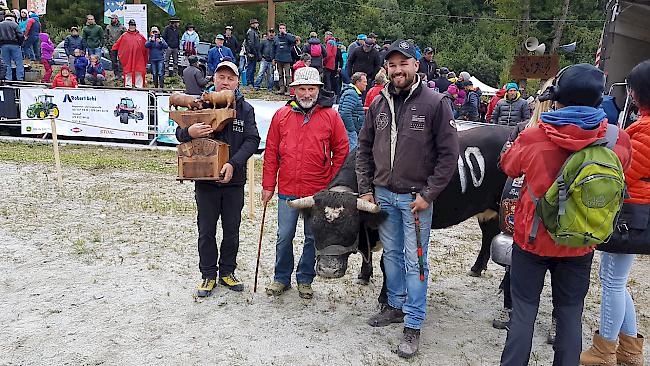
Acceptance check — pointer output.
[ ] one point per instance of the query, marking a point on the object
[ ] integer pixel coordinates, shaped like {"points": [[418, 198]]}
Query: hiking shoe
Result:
{"points": [[386, 316], [410, 343], [232, 282], [205, 288], [502, 320], [550, 337], [276, 288], [305, 291]]}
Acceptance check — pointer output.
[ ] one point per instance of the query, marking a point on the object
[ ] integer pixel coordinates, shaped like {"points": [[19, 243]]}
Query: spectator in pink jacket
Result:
{"points": [[47, 49]]}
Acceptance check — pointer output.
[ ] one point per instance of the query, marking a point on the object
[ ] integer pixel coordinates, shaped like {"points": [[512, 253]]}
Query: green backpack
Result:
{"points": [[581, 208]]}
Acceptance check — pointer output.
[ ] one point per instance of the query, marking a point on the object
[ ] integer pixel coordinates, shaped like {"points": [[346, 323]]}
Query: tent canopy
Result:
{"points": [[485, 89]]}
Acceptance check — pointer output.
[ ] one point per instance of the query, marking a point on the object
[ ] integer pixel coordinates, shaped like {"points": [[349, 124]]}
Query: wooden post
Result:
{"points": [[251, 187], [57, 158], [136, 1], [15, 4], [271, 15]]}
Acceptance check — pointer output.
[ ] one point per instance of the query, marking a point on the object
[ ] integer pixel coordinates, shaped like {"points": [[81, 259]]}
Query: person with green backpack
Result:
{"points": [[574, 164]]}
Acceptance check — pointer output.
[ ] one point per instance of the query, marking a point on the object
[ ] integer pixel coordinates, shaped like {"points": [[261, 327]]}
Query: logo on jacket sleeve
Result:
{"points": [[381, 121]]}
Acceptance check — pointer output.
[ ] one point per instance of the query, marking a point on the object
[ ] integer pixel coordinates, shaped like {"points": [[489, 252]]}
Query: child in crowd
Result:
{"points": [[95, 74], [47, 50], [80, 65]]}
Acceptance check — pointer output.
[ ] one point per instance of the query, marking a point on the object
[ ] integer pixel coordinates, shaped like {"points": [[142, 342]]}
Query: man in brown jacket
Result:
{"points": [[408, 152]]}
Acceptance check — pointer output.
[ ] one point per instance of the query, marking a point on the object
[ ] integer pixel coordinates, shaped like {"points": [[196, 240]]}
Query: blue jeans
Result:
{"points": [[12, 52], [617, 308], [265, 67], [287, 221], [158, 72], [250, 70], [397, 233], [353, 139], [31, 48], [94, 51]]}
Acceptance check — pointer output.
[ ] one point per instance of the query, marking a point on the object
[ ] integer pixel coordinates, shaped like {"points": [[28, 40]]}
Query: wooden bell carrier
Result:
{"points": [[203, 158]]}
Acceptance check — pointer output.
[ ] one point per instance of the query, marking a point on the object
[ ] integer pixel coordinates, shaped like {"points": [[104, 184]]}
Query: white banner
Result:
{"points": [[37, 6], [137, 12], [116, 113], [166, 126]]}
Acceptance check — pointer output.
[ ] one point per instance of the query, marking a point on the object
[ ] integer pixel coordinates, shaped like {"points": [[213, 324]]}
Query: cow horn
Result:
{"points": [[366, 206], [305, 202]]}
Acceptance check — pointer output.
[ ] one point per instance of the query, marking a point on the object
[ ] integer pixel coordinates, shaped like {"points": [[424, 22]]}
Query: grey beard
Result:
{"points": [[307, 105]]}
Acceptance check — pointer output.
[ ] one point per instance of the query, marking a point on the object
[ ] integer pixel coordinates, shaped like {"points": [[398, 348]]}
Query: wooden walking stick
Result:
{"points": [[259, 248]]}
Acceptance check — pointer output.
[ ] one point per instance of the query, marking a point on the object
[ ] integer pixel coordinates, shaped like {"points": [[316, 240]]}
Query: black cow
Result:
{"points": [[343, 224]]}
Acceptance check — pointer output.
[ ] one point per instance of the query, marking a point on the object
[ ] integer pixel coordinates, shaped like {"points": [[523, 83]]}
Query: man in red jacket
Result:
{"points": [[539, 153], [133, 55], [305, 147]]}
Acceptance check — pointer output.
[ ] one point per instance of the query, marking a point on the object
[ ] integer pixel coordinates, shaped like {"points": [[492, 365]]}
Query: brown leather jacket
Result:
{"points": [[424, 155]]}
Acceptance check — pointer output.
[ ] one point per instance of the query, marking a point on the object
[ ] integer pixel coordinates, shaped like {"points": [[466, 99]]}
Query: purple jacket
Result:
{"points": [[47, 47]]}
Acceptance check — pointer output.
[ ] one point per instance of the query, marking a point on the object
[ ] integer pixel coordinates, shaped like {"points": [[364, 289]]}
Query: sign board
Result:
{"points": [[113, 7], [137, 12], [8, 105], [535, 67], [38, 6], [166, 126], [86, 112]]}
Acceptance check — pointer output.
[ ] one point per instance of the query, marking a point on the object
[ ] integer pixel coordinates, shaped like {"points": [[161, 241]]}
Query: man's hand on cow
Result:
{"points": [[419, 204], [226, 173], [199, 130], [368, 197], [266, 196]]}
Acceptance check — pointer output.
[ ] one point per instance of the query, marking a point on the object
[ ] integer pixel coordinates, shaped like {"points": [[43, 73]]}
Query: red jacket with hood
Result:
{"points": [[539, 154], [60, 82], [329, 61], [304, 151], [493, 103], [637, 176]]}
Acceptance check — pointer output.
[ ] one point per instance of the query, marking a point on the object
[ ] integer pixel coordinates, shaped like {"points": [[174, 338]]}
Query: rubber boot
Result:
{"points": [[601, 353], [630, 350]]}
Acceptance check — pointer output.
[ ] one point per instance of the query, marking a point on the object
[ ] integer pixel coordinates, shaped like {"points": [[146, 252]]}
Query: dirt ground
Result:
{"points": [[104, 273]]}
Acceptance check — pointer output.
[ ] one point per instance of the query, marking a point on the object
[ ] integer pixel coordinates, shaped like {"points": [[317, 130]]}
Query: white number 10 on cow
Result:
{"points": [[477, 173]]}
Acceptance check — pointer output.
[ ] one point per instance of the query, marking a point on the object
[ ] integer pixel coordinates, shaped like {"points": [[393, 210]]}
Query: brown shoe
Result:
{"points": [[630, 350], [601, 353], [388, 315], [305, 291]]}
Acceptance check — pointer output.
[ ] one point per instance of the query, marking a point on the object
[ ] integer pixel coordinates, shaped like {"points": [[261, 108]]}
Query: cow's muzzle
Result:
{"points": [[332, 266]]}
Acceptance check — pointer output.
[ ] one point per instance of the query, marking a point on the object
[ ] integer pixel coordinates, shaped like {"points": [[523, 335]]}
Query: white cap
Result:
{"points": [[229, 65], [306, 76]]}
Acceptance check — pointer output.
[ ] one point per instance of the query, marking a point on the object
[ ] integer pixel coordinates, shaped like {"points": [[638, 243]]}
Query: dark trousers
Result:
{"points": [[570, 281], [329, 79], [213, 202], [117, 67], [505, 287]]}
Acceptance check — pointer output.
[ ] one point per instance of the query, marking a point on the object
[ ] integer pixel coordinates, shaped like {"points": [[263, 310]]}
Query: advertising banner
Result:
{"points": [[166, 126], [86, 112], [113, 7], [137, 12], [38, 6]]}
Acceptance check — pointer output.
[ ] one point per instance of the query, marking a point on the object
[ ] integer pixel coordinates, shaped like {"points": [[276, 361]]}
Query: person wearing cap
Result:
{"points": [[133, 56], [223, 199], [189, 41], [361, 40], [11, 37], [384, 51], [31, 45], [316, 50], [171, 35], [282, 58], [469, 110], [73, 42], [157, 46], [266, 66], [428, 65], [112, 33], [218, 54], [575, 123], [305, 147], [365, 59], [253, 49], [512, 109], [407, 154], [194, 78], [93, 34], [230, 40], [442, 83]]}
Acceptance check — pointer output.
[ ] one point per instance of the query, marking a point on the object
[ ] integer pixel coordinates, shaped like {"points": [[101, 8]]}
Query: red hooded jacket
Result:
{"points": [[60, 82], [493, 103], [637, 176], [372, 93], [539, 154], [132, 53], [304, 151]]}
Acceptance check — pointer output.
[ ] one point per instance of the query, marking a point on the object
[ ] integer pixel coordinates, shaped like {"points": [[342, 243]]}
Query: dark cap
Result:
{"points": [[132, 22], [428, 50], [577, 85], [404, 47], [188, 26], [387, 41], [193, 59], [174, 20], [444, 70], [253, 21]]}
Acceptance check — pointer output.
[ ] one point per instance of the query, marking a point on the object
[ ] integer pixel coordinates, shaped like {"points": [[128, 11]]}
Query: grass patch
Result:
{"points": [[92, 157]]}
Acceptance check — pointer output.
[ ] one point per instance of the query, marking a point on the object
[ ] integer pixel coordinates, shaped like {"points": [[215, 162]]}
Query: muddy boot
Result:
{"points": [[602, 353], [502, 320], [305, 291], [550, 337], [630, 350], [204, 289], [410, 343], [386, 316], [276, 288]]}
